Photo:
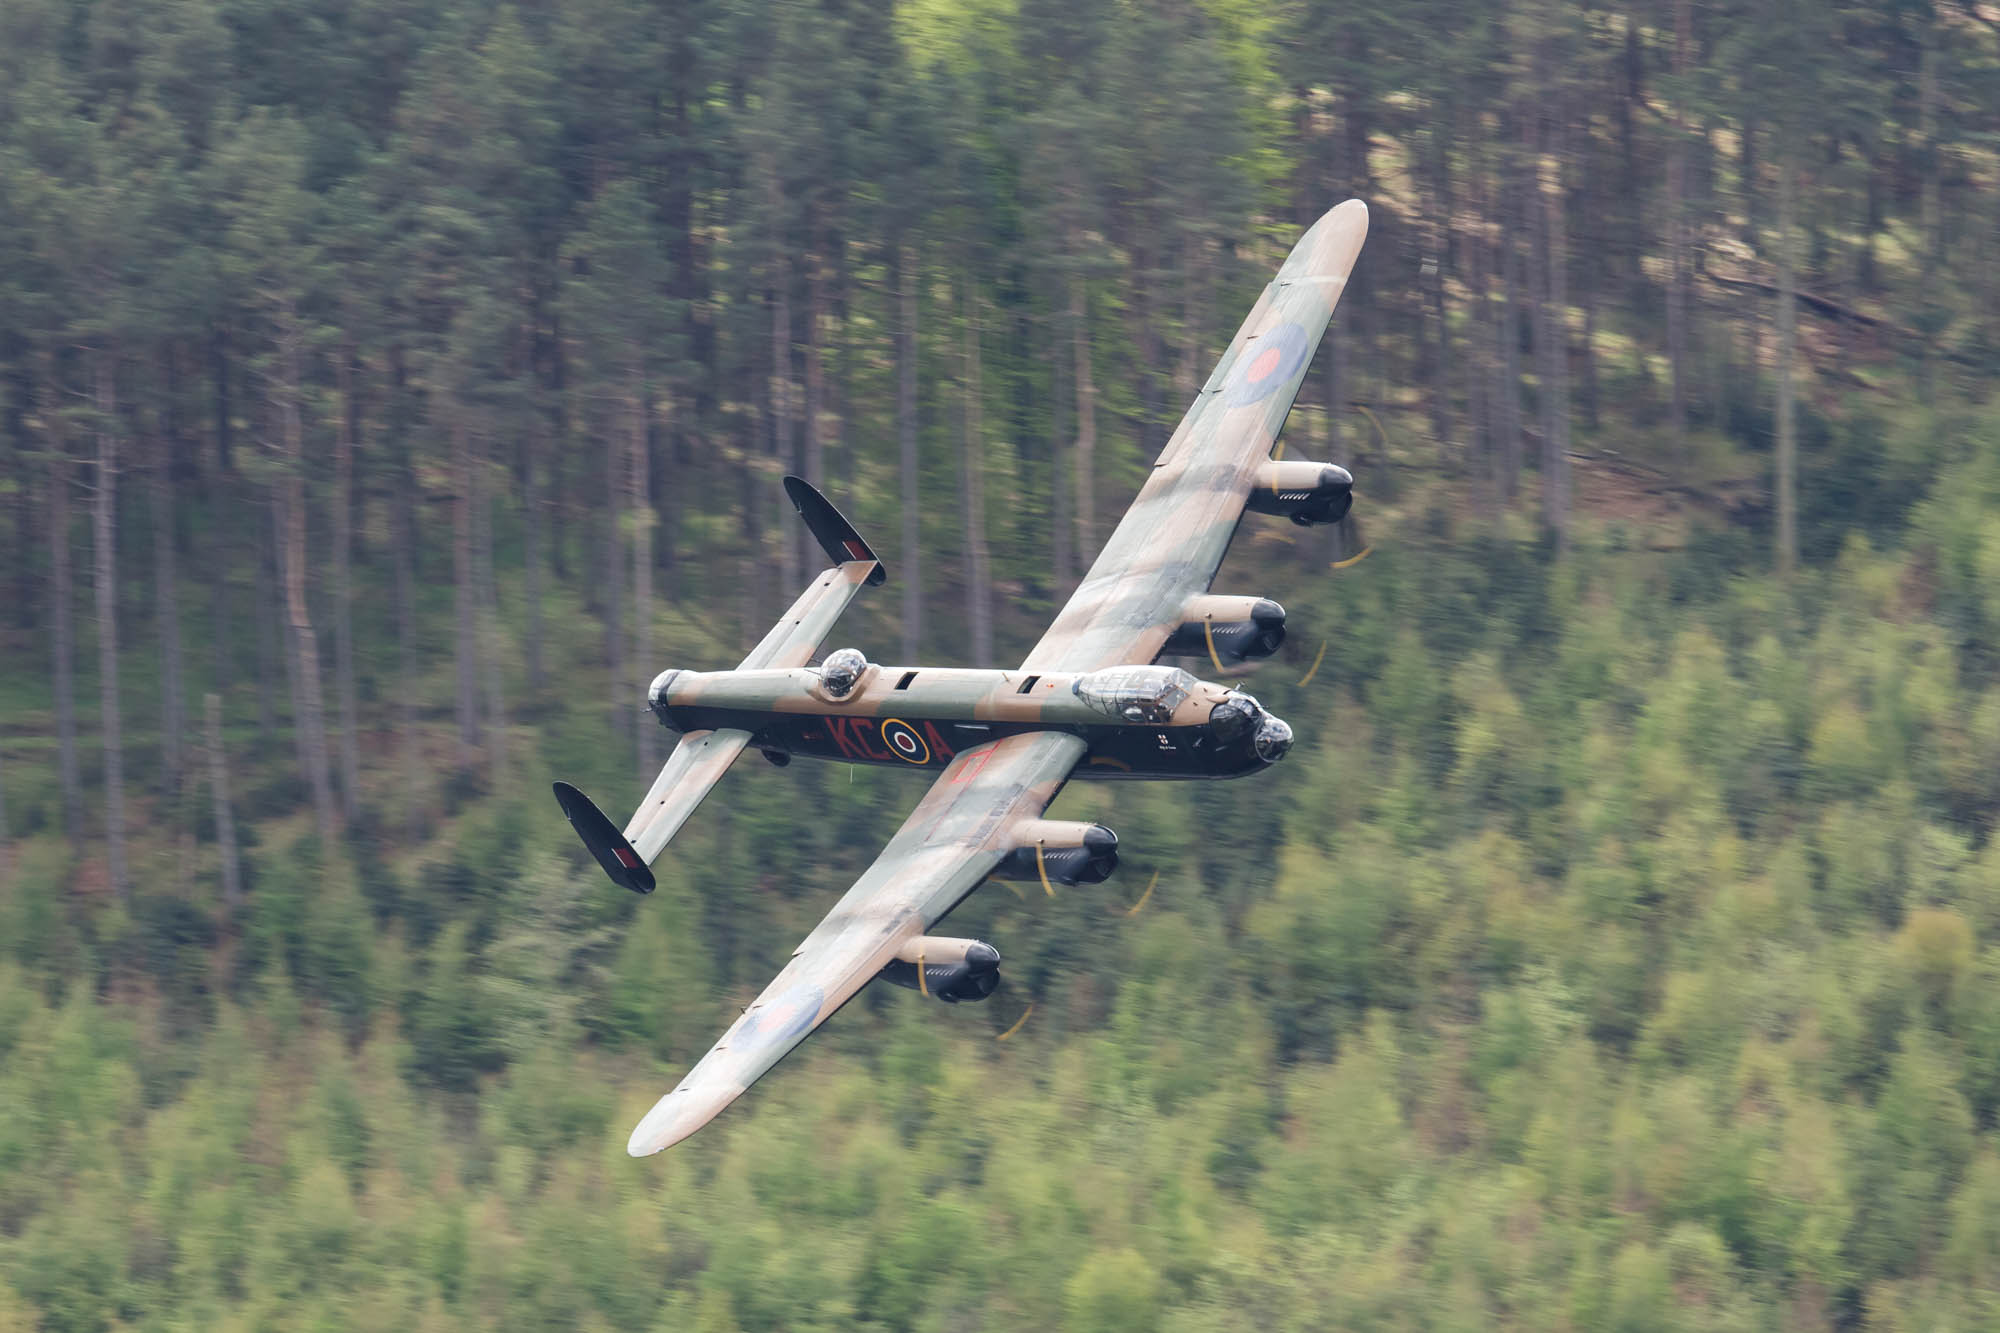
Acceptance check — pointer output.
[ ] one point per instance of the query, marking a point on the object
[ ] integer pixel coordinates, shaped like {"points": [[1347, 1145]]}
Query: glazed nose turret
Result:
{"points": [[1274, 737]]}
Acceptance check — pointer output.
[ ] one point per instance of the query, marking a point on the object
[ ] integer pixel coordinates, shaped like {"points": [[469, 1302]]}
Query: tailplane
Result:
{"points": [[702, 757]]}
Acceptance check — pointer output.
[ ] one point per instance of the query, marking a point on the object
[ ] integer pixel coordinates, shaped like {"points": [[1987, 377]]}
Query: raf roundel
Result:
{"points": [[904, 742], [1269, 362], [783, 1018]]}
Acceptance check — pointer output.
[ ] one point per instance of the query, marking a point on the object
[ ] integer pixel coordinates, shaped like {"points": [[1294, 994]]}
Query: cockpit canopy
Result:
{"points": [[1135, 693], [841, 671]]}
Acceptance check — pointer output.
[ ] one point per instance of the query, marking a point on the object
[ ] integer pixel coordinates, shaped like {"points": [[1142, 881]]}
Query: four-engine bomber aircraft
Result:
{"points": [[1089, 701]]}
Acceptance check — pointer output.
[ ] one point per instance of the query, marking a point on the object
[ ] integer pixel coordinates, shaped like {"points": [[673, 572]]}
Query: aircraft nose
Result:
{"points": [[1274, 738]]}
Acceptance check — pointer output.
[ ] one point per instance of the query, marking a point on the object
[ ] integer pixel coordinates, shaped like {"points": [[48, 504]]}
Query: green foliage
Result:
{"points": [[1619, 948]]}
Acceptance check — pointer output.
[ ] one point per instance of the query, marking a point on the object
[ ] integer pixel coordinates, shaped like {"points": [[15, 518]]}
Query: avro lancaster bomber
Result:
{"points": [[1091, 701]]}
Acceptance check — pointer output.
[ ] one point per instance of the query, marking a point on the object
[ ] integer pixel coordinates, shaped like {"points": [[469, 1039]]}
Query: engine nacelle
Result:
{"points": [[1306, 493], [1066, 851], [1239, 628], [946, 969]]}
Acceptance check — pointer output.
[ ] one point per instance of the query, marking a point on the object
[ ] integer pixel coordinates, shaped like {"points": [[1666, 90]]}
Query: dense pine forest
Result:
{"points": [[389, 388]]}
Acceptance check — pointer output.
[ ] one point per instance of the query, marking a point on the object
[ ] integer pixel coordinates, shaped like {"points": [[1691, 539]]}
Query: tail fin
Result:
{"points": [[799, 632], [837, 536], [606, 843], [694, 767]]}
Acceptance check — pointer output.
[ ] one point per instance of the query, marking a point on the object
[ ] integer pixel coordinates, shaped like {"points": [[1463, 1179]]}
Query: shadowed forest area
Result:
{"points": [[389, 389]]}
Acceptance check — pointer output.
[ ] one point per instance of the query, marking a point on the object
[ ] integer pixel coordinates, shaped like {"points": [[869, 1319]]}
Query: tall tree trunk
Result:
{"points": [[311, 719], [288, 642], [1747, 129], [910, 562], [1591, 402], [104, 527], [218, 353], [404, 538], [1678, 277], [1062, 561], [1479, 352], [1441, 376], [62, 613], [1479, 331], [815, 449], [784, 431], [978, 577], [1930, 214], [559, 463], [264, 592], [487, 611], [639, 480], [616, 462], [23, 563], [1086, 425], [1555, 358], [345, 442], [752, 621], [465, 596], [1507, 393], [225, 821], [531, 549], [219, 550], [1787, 314], [167, 616], [1631, 179], [1143, 324], [1194, 307]]}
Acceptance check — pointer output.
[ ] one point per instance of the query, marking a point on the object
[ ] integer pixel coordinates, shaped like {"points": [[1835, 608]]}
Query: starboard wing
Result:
{"points": [[954, 839], [1172, 540]]}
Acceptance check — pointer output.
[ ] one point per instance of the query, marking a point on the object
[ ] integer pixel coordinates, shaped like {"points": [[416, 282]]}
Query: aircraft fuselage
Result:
{"points": [[1140, 722]]}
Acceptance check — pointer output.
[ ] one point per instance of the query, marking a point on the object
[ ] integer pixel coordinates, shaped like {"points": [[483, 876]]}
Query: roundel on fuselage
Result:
{"points": [[904, 743], [1267, 363]]}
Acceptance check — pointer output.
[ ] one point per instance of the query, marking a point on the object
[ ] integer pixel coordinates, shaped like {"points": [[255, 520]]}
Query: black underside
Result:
{"points": [[1115, 751], [604, 840]]}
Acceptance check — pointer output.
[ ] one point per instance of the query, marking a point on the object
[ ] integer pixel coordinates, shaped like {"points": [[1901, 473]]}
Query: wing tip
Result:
{"points": [[1330, 247], [677, 1115]]}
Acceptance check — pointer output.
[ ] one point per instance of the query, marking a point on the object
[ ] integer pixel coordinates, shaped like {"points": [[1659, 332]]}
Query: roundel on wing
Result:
{"points": [[781, 1019], [1267, 363], [904, 743]]}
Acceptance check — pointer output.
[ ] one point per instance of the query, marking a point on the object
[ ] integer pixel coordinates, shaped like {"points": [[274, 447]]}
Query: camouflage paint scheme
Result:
{"points": [[922, 717], [699, 762], [1149, 580], [1171, 541]]}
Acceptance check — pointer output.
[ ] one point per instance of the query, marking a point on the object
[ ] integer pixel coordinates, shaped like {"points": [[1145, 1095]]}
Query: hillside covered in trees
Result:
{"points": [[389, 388]]}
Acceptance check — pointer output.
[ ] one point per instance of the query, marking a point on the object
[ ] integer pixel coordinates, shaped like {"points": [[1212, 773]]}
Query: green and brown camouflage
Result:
{"points": [[1137, 722], [1170, 543], [1089, 701]]}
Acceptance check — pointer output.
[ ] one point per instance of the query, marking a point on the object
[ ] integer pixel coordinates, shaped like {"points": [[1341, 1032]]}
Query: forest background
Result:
{"points": [[1619, 948]]}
